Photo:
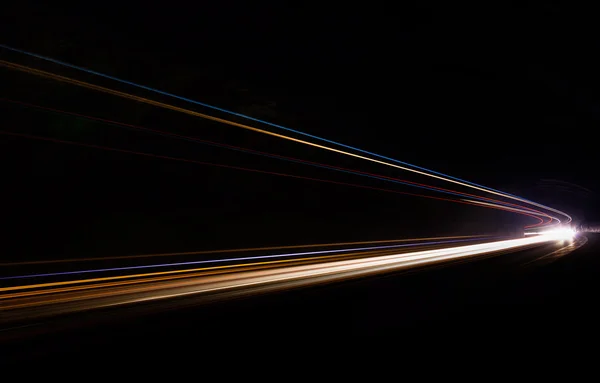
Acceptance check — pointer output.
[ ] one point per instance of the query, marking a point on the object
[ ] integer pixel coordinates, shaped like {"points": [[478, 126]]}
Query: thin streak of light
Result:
{"points": [[170, 275], [244, 116], [334, 269], [239, 168], [507, 208], [225, 260], [251, 249], [247, 127], [284, 158]]}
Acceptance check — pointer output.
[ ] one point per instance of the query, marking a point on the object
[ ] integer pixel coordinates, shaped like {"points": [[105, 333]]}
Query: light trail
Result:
{"points": [[29, 136], [101, 282], [541, 223], [286, 158], [185, 272], [568, 247], [73, 285], [249, 281], [79, 68], [266, 132], [243, 250], [273, 256], [508, 208]]}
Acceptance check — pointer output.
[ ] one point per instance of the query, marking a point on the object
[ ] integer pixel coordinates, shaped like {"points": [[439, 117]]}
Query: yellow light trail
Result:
{"points": [[143, 278], [204, 270], [53, 76], [508, 208], [234, 250], [143, 275], [297, 275]]}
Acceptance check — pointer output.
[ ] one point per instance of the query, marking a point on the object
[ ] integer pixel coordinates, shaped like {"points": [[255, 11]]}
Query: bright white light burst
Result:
{"points": [[563, 234]]}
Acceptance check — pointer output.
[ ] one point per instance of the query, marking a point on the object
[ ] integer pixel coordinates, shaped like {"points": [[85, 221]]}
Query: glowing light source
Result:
{"points": [[562, 234]]}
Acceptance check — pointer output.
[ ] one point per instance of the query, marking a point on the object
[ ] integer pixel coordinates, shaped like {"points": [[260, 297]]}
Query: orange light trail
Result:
{"points": [[393, 179], [55, 140], [42, 73], [250, 249], [167, 275]]}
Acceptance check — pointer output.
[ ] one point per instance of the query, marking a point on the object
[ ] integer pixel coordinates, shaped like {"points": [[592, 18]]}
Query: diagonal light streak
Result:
{"points": [[258, 130]]}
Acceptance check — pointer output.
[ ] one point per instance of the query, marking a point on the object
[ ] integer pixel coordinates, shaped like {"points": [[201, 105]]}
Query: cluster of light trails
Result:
{"points": [[45, 293], [249, 118], [414, 242], [34, 137], [497, 204], [313, 254], [217, 282], [412, 169]]}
